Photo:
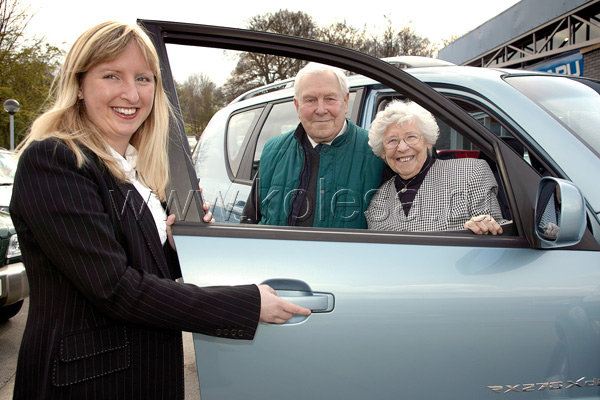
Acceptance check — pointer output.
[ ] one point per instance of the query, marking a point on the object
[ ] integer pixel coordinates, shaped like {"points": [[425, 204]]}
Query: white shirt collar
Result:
{"points": [[127, 163]]}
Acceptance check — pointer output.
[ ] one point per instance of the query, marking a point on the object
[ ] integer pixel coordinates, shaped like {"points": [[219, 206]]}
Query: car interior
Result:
{"points": [[251, 128]]}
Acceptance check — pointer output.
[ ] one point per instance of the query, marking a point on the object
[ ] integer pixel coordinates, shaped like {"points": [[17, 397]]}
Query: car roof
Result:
{"points": [[443, 73]]}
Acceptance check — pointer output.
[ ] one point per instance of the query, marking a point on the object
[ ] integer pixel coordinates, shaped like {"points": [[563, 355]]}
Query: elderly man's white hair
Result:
{"points": [[312, 68]]}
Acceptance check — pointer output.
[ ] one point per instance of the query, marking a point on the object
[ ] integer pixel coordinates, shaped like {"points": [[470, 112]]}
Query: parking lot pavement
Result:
{"points": [[6, 391], [192, 390], [11, 332]]}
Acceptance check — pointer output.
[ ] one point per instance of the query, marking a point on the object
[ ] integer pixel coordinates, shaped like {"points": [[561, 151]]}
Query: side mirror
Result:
{"points": [[560, 218]]}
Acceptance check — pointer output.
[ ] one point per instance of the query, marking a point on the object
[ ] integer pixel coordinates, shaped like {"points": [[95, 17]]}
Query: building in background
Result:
{"points": [[561, 36]]}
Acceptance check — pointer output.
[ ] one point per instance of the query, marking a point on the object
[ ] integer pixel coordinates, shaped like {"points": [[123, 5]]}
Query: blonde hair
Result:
{"points": [[67, 120]]}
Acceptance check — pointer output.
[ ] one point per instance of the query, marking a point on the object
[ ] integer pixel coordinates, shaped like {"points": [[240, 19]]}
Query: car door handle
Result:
{"points": [[315, 301], [300, 293]]}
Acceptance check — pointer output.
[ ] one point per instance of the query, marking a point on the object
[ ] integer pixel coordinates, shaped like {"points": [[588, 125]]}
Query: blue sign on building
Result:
{"points": [[569, 65]]}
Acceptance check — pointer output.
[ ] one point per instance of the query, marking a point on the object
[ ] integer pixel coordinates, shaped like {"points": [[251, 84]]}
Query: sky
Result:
{"points": [[60, 22]]}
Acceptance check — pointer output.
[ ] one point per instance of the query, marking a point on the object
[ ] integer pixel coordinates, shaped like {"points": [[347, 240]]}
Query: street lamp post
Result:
{"points": [[12, 107]]}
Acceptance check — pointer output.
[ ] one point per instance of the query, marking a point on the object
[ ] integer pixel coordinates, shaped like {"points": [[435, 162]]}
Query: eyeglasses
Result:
{"points": [[393, 142]]}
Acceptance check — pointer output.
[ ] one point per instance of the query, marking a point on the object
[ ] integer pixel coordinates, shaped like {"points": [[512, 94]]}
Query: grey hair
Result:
{"points": [[312, 68], [399, 112]]}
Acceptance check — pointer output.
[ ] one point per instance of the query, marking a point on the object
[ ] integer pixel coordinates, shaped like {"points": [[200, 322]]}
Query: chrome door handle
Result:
{"points": [[300, 293], [315, 301]]}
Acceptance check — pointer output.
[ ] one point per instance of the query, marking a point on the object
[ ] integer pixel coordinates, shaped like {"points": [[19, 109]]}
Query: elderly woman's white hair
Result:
{"points": [[312, 68], [399, 112]]}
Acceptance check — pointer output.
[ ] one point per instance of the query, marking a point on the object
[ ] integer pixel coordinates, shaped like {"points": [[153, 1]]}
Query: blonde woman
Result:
{"points": [[105, 314]]}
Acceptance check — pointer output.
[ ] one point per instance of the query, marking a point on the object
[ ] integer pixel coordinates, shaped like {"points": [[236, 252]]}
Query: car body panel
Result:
{"points": [[414, 315], [416, 320]]}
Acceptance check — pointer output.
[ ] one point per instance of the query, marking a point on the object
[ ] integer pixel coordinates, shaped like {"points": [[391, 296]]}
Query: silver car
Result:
{"points": [[404, 315], [14, 287]]}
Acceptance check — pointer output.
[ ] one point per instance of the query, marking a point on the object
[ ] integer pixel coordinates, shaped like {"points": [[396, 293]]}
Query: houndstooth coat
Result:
{"points": [[453, 192]]}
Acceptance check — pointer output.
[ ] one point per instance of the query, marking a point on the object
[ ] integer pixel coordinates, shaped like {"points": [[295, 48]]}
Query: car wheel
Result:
{"points": [[10, 311]]}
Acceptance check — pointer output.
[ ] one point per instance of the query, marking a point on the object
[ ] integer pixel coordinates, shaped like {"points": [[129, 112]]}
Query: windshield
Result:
{"points": [[576, 103], [8, 167]]}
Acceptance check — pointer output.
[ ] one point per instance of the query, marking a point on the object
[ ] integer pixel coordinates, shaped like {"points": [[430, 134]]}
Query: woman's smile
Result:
{"points": [[126, 112], [405, 159]]}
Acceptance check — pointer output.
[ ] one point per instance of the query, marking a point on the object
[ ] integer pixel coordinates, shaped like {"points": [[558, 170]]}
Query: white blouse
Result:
{"points": [[128, 164]]}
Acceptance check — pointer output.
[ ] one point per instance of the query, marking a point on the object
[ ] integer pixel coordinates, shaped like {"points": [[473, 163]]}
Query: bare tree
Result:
{"points": [[199, 99], [450, 40], [292, 23], [345, 35], [27, 68], [13, 21], [404, 42], [255, 69]]}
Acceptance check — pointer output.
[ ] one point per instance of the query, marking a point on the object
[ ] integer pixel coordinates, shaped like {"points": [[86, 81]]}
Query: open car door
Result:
{"points": [[395, 315]]}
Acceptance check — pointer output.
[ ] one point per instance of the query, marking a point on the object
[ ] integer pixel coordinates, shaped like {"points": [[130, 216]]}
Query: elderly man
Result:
{"points": [[323, 173]]}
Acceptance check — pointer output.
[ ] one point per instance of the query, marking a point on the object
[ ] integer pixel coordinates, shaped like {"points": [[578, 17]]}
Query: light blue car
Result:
{"points": [[440, 315]]}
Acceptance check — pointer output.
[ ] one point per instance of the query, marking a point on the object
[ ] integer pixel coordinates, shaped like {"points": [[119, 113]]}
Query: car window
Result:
{"points": [[283, 118], [230, 159], [495, 125], [8, 167], [238, 128]]}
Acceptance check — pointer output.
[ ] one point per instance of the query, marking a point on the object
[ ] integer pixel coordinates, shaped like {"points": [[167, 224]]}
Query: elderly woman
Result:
{"points": [[427, 194]]}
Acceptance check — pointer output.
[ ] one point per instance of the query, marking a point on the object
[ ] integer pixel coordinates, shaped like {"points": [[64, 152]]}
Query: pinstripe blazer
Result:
{"points": [[453, 192], [105, 315]]}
